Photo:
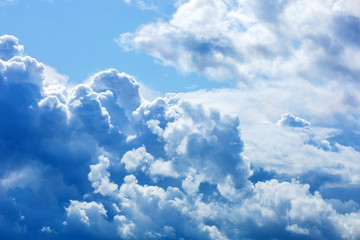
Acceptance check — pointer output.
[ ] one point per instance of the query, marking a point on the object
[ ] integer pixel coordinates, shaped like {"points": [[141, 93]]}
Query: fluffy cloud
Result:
{"points": [[290, 120], [315, 40], [99, 176], [323, 155], [124, 88], [96, 160], [9, 47], [85, 212], [135, 158]]}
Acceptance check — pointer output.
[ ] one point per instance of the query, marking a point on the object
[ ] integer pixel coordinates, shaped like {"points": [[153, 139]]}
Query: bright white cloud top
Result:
{"points": [[257, 39], [277, 157]]}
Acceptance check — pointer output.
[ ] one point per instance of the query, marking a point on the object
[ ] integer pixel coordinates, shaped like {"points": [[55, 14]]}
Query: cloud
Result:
{"points": [[123, 86], [96, 160], [9, 47], [163, 169], [99, 176], [327, 105], [315, 155], [314, 40], [46, 229], [297, 230], [135, 158], [144, 4], [82, 211], [290, 120]]}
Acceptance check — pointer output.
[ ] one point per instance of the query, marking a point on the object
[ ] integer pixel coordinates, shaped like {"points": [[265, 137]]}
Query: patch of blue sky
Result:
{"points": [[78, 39]]}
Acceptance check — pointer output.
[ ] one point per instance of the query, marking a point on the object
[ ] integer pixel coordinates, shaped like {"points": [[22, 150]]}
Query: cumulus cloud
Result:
{"points": [[290, 120], [85, 212], [10, 47], [96, 160], [323, 155], [135, 158], [99, 176], [163, 169], [315, 40], [123, 86]]}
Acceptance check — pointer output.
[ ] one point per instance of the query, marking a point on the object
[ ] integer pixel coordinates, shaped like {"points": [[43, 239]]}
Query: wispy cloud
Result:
{"points": [[145, 4]]}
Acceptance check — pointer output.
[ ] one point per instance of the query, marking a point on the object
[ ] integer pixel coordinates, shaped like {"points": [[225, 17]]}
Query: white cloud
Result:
{"points": [[99, 177], [9, 45], [87, 212], [196, 138], [61, 146], [332, 109], [124, 87], [126, 227], [290, 120], [349, 6], [88, 112], [162, 168], [298, 230], [22, 69], [315, 40], [136, 158], [327, 105], [25, 177], [214, 233], [46, 229], [348, 225]]}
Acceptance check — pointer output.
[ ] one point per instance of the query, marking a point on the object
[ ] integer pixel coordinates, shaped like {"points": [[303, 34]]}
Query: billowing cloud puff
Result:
{"points": [[290, 120], [9, 47], [99, 176], [323, 156], [315, 40], [135, 158], [124, 88], [97, 161]]}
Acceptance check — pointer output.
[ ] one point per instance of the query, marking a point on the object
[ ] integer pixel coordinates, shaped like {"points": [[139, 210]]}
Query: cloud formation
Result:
{"points": [[247, 40], [290, 120], [97, 161], [9, 47], [321, 150]]}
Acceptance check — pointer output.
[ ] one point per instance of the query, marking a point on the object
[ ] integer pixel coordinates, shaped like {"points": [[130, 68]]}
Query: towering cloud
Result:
{"points": [[97, 161]]}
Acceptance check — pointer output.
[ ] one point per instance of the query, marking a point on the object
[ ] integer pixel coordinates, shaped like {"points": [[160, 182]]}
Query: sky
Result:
{"points": [[52, 31], [180, 119]]}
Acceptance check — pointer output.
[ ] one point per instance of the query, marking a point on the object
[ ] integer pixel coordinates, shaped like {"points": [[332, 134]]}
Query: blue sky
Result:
{"points": [[187, 119], [55, 30]]}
